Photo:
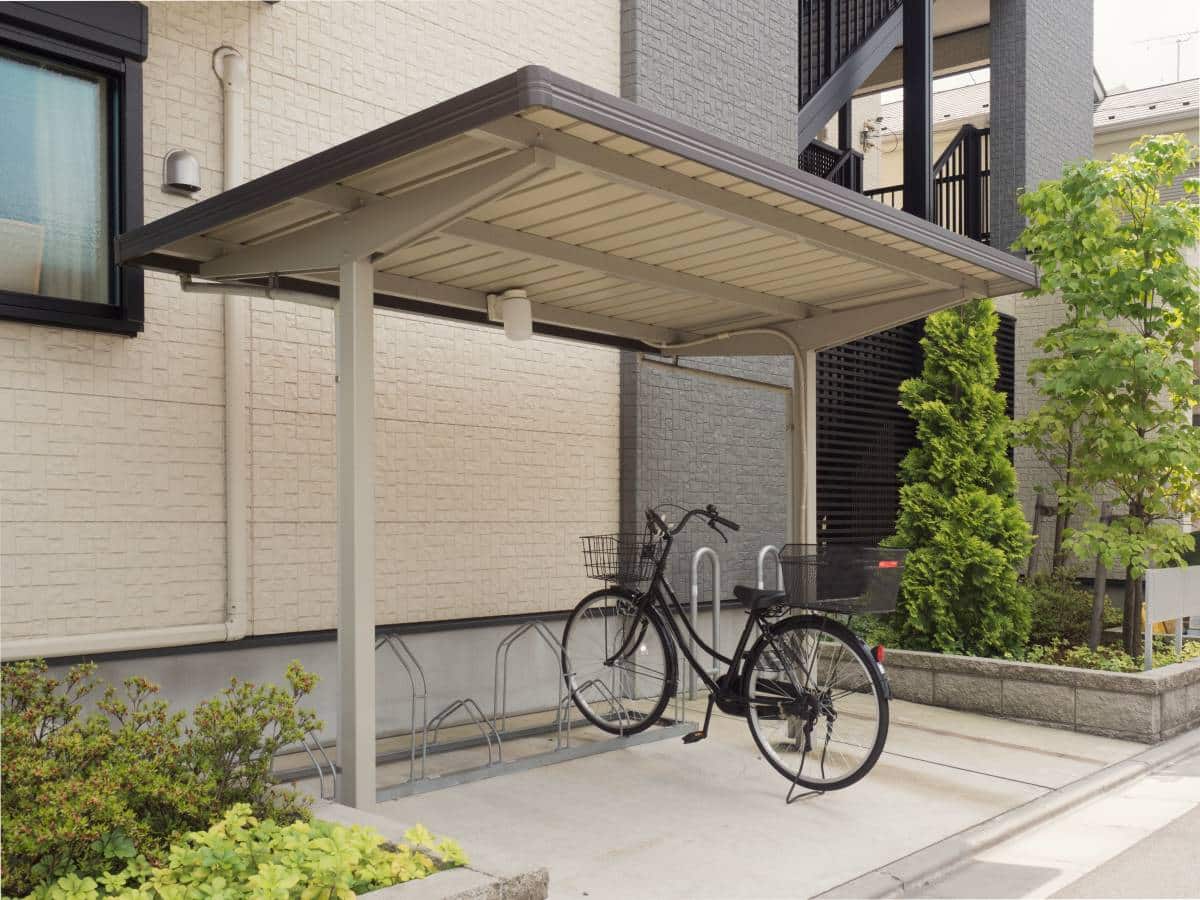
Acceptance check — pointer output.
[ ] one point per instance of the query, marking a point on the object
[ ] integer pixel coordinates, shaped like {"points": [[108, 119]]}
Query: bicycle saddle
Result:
{"points": [[752, 598]]}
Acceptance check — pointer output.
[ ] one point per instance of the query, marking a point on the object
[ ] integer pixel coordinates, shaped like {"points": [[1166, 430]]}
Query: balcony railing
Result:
{"points": [[961, 179], [842, 167]]}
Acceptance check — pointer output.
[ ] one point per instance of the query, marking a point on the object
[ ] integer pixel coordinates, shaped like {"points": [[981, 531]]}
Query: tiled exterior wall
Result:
{"points": [[493, 457]]}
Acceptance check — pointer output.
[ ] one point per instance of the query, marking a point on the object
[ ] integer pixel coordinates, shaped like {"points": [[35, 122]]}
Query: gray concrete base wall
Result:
{"points": [[1147, 707]]}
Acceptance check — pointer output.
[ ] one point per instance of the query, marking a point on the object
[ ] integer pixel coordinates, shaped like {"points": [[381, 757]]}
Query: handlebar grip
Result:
{"points": [[657, 521], [721, 520]]}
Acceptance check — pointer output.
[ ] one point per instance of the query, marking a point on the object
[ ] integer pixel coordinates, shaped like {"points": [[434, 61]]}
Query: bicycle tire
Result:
{"points": [[651, 619], [845, 637]]}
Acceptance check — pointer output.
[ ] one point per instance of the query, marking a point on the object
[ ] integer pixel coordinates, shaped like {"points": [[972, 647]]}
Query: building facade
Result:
{"points": [[492, 457]]}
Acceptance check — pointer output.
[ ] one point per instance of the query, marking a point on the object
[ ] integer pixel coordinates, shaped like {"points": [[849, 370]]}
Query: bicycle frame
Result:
{"points": [[660, 593]]}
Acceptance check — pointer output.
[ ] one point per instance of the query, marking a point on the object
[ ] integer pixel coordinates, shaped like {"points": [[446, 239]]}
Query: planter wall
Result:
{"points": [[1147, 707]]}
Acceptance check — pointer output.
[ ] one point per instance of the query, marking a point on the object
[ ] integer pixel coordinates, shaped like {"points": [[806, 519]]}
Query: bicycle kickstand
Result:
{"points": [[693, 736]]}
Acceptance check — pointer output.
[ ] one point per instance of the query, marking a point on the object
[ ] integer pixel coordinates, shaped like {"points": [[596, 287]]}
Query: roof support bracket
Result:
{"points": [[385, 224]]}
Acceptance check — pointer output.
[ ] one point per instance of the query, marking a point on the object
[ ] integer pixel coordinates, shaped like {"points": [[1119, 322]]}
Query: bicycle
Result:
{"points": [[813, 694]]}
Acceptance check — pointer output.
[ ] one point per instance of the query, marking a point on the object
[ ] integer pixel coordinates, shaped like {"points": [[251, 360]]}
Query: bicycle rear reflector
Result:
{"points": [[889, 564], [878, 653]]}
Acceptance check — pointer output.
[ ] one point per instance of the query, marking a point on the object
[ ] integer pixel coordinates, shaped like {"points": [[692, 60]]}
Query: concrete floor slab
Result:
{"points": [[708, 820]]}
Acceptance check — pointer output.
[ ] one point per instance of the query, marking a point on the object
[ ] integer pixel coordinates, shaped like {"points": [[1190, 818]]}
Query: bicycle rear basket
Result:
{"points": [[624, 558], [840, 578]]}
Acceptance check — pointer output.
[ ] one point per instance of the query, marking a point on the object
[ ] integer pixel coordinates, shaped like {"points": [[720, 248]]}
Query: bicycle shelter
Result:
{"points": [[535, 195]]}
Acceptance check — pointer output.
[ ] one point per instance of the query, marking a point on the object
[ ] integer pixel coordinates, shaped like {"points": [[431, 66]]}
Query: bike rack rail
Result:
{"points": [[410, 663], [318, 749], [486, 728], [710, 554], [768, 550], [562, 719]]}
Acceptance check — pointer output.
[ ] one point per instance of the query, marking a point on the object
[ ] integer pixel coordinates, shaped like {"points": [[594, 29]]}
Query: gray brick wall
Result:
{"points": [[1041, 111], [1041, 102], [711, 430]]}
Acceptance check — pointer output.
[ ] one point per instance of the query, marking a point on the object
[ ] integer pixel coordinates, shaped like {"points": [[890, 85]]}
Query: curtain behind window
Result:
{"points": [[54, 181]]}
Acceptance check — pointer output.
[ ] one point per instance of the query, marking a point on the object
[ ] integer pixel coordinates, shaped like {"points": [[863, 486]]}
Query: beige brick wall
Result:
{"points": [[493, 457]]}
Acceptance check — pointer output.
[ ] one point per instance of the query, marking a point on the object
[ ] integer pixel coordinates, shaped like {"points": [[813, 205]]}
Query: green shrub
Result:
{"points": [[131, 775], [1109, 657], [1063, 610], [243, 856], [958, 514]]}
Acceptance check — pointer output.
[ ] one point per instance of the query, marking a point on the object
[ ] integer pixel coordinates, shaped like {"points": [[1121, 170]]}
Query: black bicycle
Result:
{"points": [[814, 695]]}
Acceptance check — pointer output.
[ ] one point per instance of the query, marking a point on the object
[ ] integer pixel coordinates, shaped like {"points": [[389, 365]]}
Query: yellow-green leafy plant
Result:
{"points": [[243, 856], [127, 779]]}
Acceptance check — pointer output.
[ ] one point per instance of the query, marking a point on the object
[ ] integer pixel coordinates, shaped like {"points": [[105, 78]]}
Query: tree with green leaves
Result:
{"points": [[1122, 365], [958, 513]]}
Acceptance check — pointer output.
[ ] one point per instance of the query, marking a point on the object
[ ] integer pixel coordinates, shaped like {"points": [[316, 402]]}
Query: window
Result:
{"points": [[54, 180], [70, 163]]}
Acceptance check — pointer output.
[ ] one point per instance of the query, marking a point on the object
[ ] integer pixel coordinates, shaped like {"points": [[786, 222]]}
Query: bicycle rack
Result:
{"points": [[623, 714], [768, 550], [320, 750], [710, 554], [562, 720], [409, 661], [477, 717]]}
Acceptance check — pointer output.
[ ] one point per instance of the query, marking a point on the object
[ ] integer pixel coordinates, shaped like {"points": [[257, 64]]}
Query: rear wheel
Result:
{"points": [[628, 694], [816, 702]]}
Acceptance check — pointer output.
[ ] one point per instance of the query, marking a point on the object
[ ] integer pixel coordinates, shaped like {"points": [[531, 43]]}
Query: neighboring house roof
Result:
{"points": [[1180, 98], [1122, 110], [953, 105]]}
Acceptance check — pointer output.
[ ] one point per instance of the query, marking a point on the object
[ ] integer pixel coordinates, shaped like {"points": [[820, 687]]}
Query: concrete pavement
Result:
{"points": [[1140, 840], [708, 820]]}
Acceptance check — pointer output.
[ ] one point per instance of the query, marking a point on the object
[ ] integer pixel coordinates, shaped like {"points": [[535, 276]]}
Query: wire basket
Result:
{"points": [[624, 558], [840, 578]]}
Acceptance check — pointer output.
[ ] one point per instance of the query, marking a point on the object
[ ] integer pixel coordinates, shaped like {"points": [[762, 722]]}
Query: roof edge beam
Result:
{"points": [[586, 156], [546, 313], [385, 224], [625, 268], [828, 331]]}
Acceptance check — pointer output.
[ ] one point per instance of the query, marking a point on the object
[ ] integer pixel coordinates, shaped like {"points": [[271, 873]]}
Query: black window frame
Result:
{"points": [[109, 40]]}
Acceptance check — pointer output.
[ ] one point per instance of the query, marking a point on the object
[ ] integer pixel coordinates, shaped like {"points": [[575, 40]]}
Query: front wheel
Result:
{"points": [[620, 665], [816, 702]]}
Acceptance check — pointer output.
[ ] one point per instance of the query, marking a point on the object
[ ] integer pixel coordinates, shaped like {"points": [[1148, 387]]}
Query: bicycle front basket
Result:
{"points": [[623, 558], [840, 578]]}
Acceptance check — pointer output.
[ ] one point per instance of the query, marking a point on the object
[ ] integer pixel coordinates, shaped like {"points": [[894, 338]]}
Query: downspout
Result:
{"points": [[230, 68]]}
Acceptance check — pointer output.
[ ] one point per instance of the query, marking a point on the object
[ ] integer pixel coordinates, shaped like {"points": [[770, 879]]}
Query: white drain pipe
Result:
{"points": [[230, 68]]}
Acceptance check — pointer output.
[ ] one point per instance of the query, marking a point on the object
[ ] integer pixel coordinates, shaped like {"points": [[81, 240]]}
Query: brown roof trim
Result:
{"points": [[538, 86]]}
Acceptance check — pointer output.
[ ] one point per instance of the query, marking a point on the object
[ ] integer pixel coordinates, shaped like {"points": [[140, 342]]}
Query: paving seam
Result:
{"points": [[940, 859]]}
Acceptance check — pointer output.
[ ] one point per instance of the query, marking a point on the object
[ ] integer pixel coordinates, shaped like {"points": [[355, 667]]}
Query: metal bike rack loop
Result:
{"points": [[710, 554], [562, 721], [769, 550], [409, 662]]}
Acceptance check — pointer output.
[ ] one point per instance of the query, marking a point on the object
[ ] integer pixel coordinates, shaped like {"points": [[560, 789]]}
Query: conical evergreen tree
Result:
{"points": [[958, 513]]}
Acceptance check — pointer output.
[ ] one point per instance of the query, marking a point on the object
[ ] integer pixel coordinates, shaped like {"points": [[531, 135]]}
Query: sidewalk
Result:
{"points": [[708, 820]]}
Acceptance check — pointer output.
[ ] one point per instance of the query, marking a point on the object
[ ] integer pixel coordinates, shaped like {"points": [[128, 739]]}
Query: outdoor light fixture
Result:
{"points": [[513, 309], [181, 173]]}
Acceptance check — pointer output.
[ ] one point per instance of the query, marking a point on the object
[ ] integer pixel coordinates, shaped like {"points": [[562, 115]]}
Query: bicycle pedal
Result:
{"points": [[692, 736]]}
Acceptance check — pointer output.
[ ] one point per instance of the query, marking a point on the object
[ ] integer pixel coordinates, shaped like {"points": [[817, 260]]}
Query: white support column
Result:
{"points": [[802, 522], [355, 337]]}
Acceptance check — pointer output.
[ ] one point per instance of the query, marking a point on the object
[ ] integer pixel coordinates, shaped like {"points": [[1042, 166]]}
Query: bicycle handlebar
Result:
{"points": [[709, 512]]}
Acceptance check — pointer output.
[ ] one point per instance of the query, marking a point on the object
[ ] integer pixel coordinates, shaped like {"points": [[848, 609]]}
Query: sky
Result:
{"points": [[1135, 42]]}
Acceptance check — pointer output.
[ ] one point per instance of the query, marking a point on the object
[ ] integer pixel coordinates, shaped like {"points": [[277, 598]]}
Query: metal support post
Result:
{"points": [[354, 328]]}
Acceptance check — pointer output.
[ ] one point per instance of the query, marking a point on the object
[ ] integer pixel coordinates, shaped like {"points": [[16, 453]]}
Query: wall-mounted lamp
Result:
{"points": [[513, 309], [181, 173]]}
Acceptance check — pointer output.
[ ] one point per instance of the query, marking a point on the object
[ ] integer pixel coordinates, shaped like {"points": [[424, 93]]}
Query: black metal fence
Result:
{"points": [[863, 434], [830, 30], [961, 182], [842, 167]]}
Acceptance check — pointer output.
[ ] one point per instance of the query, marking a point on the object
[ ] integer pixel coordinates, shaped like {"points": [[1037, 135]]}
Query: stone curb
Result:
{"points": [[918, 869], [484, 878]]}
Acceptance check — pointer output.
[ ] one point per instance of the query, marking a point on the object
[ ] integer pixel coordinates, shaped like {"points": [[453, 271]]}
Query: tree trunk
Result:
{"points": [[1129, 623], [1062, 521], [1101, 585]]}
